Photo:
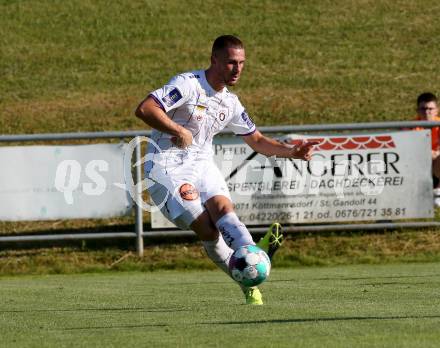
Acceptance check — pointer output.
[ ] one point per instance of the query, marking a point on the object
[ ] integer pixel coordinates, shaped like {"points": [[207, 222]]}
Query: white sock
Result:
{"points": [[234, 232], [218, 252]]}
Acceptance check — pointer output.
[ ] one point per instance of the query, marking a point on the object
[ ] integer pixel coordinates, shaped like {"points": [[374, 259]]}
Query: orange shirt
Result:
{"points": [[435, 133]]}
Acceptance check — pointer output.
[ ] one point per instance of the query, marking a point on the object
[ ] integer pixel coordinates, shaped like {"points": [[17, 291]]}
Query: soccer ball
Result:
{"points": [[249, 265]]}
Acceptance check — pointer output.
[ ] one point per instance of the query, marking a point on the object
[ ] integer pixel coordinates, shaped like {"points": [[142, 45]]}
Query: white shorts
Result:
{"points": [[181, 191]]}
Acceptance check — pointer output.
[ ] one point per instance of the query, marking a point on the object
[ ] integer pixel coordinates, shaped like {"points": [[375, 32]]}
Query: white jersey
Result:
{"points": [[191, 102]]}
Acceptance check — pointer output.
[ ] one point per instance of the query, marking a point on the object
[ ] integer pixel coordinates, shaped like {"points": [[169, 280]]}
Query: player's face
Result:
{"points": [[428, 110], [229, 64]]}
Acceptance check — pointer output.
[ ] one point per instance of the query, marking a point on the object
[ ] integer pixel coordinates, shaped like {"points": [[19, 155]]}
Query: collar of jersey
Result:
{"points": [[210, 90]]}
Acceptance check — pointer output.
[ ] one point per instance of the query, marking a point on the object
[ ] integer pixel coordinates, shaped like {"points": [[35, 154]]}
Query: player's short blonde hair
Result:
{"points": [[225, 41]]}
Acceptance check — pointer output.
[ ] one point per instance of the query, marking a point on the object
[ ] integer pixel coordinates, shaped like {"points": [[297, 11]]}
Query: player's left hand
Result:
{"points": [[303, 150]]}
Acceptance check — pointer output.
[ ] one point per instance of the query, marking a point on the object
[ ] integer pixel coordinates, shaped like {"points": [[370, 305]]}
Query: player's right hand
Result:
{"points": [[304, 150], [183, 139]]}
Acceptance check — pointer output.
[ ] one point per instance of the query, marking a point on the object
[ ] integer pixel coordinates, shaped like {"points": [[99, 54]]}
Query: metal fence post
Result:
{"points": [[138, 208]]}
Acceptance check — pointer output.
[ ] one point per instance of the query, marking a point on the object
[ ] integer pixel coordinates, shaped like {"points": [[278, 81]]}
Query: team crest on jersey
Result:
{"points": [[188, 192], [222, 114], [246, 118], [172, 98]]}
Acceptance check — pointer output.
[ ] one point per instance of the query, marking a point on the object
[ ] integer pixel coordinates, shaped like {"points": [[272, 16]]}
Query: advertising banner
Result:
{"points": [[62, 182], [365, 177]]}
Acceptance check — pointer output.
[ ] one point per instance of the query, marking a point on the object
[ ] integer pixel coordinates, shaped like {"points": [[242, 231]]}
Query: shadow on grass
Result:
{"points": [[357, 278], [149, 310], [114, 327], [307, 320], [257, 322], [226, 281]]}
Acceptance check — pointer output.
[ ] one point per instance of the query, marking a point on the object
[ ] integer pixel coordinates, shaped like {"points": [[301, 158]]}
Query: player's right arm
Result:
{"points": [[152, 114]]}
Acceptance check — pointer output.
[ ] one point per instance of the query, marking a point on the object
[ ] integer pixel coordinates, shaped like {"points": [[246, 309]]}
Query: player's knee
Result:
{"points": [[219, 206], [204, 227]]}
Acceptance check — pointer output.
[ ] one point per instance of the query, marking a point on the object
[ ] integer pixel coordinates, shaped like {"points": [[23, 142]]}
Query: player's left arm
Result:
{"points": [[271, 147]]}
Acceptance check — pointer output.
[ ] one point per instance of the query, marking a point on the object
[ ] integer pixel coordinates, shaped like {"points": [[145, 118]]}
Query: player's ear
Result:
{"points": [[213, 59]]}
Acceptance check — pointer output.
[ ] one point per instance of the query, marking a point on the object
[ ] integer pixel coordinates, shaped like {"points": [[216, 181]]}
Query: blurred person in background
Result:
{"points": [[427, 110]]}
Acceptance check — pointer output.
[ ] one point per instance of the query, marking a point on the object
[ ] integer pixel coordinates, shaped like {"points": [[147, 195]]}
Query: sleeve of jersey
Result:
{"points": [[174, 94], [241, 123]]}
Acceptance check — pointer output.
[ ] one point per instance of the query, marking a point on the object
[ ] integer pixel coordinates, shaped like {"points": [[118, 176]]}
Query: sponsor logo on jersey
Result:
{"points": [[188, 192], [199, 112], [172, 98], [245, 117]]}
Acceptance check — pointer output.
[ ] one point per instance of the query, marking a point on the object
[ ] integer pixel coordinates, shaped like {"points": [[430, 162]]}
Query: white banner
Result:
{"points": [[62, 182], [365, 177]]}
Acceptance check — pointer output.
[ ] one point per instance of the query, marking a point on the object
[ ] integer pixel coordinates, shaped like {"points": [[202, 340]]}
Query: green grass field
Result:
{"points": [[344, 306], [84, 65]]}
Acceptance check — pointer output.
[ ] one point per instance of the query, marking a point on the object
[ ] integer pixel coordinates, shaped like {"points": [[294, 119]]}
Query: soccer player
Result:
{"points": [[185, 114]]}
